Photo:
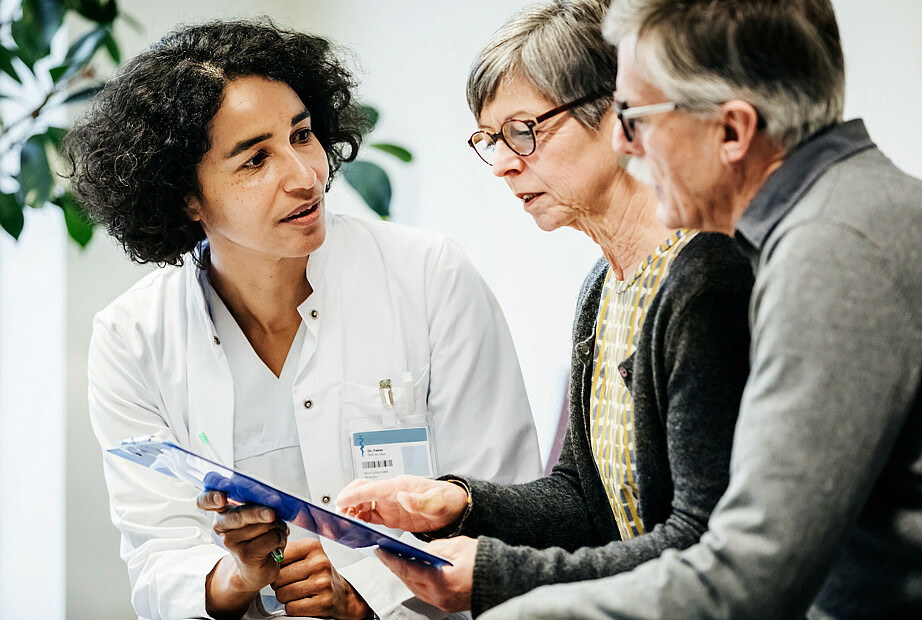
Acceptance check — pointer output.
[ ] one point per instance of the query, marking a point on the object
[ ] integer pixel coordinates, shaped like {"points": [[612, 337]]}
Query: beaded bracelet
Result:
{"points": [[467, 510]]}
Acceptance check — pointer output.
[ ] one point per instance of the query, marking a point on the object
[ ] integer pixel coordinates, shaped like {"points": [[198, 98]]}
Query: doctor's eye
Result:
{"points": [[256, 161], [303, 135]]}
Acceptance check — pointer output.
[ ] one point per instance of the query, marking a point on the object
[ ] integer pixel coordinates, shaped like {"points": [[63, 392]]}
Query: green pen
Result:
{"points": [[210, 451]]}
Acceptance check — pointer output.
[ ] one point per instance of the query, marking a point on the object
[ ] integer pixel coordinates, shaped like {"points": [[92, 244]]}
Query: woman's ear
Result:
{"points": [[193, 208]]}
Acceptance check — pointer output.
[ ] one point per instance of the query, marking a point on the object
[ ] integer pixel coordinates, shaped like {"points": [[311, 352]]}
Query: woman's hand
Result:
{"points": [[250, 533], [410, 503], [448, 588], [308, 585]]}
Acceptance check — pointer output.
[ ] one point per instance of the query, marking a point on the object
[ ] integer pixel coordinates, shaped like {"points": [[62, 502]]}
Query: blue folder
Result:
{"points": [[179, 463]]}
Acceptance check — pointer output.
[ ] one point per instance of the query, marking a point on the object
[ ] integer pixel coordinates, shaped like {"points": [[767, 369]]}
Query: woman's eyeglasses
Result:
{"points": [[519, 135]]}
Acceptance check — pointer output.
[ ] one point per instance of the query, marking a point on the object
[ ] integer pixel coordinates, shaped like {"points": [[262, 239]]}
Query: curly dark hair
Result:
{"points": [[134, 155]]}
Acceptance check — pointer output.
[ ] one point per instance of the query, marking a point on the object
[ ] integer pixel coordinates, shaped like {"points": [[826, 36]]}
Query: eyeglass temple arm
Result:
{"points": [[570, 106]]}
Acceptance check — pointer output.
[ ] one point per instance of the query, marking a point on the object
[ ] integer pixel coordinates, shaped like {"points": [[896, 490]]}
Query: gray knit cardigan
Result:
{"points": [[686, 377]]}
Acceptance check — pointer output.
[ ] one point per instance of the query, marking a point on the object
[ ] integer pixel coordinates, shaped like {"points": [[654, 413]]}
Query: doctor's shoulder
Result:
{"points": [[159, 298], [406, 248]]}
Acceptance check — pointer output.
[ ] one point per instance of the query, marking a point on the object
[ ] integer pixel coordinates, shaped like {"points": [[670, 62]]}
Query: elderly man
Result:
{"points": [[736, 109]]}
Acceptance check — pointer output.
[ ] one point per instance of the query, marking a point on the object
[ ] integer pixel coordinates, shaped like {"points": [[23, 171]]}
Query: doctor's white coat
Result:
{"points": [[387, 299]]}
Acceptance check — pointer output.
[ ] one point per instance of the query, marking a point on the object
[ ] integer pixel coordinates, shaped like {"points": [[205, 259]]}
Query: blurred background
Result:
{"points": [[58, 549]]}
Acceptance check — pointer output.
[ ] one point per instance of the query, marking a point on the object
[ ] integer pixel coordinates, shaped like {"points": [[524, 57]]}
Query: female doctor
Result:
{"points": [[279, 329]]}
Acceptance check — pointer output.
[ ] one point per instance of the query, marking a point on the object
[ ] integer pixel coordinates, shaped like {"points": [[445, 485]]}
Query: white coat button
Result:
{"points": [[314, 314], [325, 499], [308, 404]]}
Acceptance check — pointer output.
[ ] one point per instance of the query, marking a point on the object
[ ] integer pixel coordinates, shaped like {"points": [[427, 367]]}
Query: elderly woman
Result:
{"points": [[278, 328], [660, 344]]}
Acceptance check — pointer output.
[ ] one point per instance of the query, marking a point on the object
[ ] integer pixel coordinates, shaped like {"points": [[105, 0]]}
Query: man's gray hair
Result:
{"points": [[782, 56], [556, 46]]}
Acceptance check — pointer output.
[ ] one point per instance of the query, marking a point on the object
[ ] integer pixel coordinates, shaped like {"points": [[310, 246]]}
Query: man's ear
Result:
{"points": [[740, 124]]}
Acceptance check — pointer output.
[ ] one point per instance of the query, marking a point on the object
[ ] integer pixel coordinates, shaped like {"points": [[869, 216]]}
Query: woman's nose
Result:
{"points": [[505, 160], [301, 172]]}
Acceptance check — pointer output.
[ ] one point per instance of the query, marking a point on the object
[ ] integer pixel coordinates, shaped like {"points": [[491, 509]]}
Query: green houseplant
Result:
{"points": [[41, 85], [369, 179]]}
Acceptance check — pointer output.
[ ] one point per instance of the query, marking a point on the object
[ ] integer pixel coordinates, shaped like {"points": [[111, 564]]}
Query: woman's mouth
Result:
{"points": [[529, 198], [303, 213]]}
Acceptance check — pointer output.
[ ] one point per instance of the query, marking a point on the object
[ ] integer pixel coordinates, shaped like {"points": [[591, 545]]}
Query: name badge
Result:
{"points": [[385, 453]]}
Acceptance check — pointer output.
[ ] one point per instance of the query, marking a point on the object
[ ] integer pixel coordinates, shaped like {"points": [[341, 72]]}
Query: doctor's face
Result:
{"points": [[263, 180]]}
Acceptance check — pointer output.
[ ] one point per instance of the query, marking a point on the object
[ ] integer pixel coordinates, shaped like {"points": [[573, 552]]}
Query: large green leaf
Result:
{"points": [[6, 64], [371, 117], [99, 11], [83, 94], [11, 217], [372, 184], [112, 48], [79, 226], [79, 54], [34, 30], [35, 178], [397, 151], [56, 136]]}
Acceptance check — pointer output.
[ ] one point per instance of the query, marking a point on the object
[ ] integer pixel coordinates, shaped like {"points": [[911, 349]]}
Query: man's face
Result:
{"points": [[681, 153]]}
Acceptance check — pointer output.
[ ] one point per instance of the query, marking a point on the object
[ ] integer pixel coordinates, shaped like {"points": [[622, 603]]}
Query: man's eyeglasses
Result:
{"points": [[519, 135], [628, 115]]}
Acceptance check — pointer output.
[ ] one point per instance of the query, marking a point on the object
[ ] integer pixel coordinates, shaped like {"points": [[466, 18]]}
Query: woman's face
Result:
{"points": [[263, 180], [571, 175]]}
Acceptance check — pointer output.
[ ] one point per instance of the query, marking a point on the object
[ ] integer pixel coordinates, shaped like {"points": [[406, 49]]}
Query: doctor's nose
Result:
{"points": [[301, 170]]}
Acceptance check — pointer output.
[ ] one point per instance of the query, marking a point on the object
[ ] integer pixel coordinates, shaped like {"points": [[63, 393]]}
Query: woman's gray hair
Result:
{"points": [[558, 48], [782, 56]]}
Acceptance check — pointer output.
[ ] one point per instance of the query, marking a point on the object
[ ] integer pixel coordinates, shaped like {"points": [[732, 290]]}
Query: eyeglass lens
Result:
{"points": [[518, 136]]}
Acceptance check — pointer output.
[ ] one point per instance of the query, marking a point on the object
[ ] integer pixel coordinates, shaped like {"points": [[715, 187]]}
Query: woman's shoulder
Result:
{"points": [[399, 246], [711, 259], [386, 234], [150, 302]]}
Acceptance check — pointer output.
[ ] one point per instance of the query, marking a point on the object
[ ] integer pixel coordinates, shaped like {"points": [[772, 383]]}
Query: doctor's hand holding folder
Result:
{"points": [[250, 519]]}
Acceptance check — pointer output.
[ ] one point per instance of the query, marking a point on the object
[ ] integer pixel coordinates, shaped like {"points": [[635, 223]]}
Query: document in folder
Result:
{"points": [[171, 460]]}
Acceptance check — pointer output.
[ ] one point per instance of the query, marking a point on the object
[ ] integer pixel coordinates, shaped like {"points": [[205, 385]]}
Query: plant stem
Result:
{"points": [[34, 114]]}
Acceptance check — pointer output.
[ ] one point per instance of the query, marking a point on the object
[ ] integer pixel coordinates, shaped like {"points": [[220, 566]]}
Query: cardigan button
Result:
{"points": [[622, 370]]}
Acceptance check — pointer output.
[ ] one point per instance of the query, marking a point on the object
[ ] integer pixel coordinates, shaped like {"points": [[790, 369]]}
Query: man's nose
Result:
{"points": [[622, 145]]}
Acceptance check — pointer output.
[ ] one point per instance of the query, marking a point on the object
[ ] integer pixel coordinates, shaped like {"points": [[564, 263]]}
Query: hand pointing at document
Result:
{"points": [[419, 504], [410, 503]]}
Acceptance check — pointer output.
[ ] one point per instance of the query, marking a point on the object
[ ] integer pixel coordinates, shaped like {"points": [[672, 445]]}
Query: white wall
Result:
{"points": [[883, 68], [415, 55], [32, 417]]}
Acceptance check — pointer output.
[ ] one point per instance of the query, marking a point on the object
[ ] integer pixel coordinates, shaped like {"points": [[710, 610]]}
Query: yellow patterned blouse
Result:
{"points": [[622, 309]]}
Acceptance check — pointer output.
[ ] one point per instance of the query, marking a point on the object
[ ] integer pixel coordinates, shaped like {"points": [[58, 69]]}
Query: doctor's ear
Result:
{"points": [[740, 124], [193, 208]]}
